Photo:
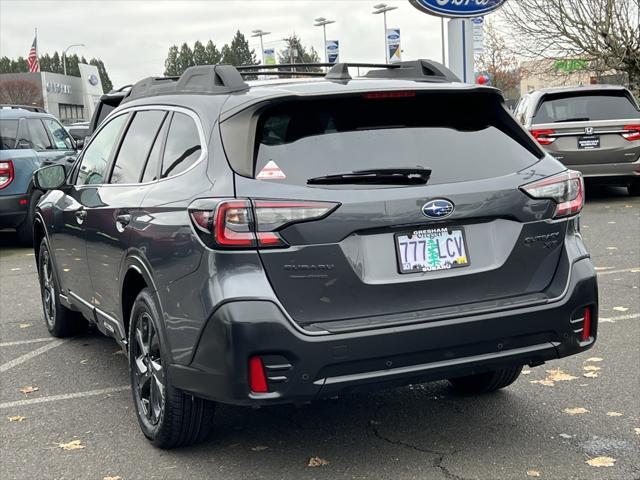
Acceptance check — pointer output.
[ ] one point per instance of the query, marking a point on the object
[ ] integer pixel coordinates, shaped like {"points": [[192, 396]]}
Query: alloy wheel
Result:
{"points": [[48, 289], [149, 374]]}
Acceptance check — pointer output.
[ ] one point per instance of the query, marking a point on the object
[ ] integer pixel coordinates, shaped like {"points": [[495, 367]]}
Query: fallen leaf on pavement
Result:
{"points": [[599, 269], [575, 411], [612, 248], [565, 435], [637, 430], [526, 372], [29, 389], [591, 368], [546, 383], [112, 478], [591, 375], [72, 445], [259, 448], [317, 462], [593, 359], [620, 309], [533, 473], [16, 418], [614, 414], [24, 325], [601, 462], [559, 376]]}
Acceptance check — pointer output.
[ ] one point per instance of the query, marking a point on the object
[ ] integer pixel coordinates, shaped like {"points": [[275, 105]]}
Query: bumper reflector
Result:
{"points": [[586, 325], [257, 377]]}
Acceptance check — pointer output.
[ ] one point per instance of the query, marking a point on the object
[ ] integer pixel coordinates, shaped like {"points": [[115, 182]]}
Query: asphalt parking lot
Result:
{"points": [[536, 428]]}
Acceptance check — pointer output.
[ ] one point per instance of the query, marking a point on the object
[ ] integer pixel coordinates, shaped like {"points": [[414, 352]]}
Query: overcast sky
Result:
{"points": [[132, 36]]}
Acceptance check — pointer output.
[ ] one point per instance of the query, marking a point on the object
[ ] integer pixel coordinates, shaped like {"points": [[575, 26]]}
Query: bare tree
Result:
{"points": [[605, 33], [20, 92], [499, 61]]}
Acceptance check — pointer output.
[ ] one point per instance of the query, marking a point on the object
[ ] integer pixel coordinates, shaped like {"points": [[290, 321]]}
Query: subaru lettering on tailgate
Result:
{"points": [[457, 8]]}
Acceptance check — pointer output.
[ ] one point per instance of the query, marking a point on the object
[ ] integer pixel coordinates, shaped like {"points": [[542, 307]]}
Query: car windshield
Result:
{"points": [[8, 134], [459, 137], [585, 107]]}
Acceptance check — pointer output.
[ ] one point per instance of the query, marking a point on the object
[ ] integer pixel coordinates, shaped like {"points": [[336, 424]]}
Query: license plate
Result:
{"points": [[588, 142], [431, 250]]}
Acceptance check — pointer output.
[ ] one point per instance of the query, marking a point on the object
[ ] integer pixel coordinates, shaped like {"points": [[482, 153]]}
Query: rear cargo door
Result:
{"points": [[588, 128], [395, 248]]}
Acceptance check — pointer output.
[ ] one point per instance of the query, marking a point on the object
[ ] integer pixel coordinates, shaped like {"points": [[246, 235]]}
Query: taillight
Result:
{"points": [[542, 136], [246, 223], [6, 173], [586, 325], [566, 189], [632, 132], [384, 95]]}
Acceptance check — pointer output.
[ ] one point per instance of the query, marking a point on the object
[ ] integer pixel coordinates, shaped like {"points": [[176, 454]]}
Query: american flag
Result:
{"points": [[32, 59]]}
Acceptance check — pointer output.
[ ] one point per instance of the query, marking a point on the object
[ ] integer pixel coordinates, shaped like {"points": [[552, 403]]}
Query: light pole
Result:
{"points": [[64, 55], [260, 33], [383, 8], [323, 22]]}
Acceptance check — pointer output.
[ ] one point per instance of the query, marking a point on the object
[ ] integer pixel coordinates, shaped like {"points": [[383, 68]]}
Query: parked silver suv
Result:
{"points": [[593, 129]]}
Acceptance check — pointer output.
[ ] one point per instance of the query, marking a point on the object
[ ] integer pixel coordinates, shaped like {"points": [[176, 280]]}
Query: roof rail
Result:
{"points": [[206, 79]]}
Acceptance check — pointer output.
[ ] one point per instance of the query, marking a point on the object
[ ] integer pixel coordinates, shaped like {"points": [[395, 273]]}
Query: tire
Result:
{"points": [[486, 382], [168, 417], [634, 188], [25, 229], [60, 321]]}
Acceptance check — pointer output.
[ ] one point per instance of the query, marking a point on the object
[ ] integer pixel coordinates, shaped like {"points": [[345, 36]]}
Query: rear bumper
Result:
{"points": [[302, 367], [12, 213], [617, 172]]}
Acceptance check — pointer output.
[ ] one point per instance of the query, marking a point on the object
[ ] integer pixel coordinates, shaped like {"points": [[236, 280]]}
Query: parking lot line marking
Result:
{"points": [[619, 317], [28, 356], [622, 270], [66, 396], [25, 342]]}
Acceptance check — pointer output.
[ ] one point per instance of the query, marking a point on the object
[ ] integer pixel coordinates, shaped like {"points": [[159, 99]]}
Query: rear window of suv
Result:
{"points": [[459, 136], [585, 107]]}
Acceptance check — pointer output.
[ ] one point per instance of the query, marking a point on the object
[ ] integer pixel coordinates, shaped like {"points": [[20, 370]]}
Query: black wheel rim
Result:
{"points": [[48, 289], [148, 372]]}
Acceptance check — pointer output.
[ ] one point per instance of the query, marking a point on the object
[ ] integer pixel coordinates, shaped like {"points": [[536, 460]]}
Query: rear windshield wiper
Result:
{"points": [[378, 176], [577, 119]]}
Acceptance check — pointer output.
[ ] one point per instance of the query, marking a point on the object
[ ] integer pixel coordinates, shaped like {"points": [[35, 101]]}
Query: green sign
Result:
{"points": [[570, 66]]}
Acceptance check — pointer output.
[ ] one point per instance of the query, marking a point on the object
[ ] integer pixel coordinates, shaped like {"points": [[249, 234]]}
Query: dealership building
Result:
{"points": [[71, 99]]}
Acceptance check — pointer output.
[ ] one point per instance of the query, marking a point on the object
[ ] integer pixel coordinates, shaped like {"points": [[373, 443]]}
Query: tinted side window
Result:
{"points": [[37, 135], [61, 138], [152, 168], [8, 134], [93, 166], [183, 145], [136, 146]]}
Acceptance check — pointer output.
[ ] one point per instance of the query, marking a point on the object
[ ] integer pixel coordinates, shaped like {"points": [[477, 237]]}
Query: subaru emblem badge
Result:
{"points": [[438, 209]]}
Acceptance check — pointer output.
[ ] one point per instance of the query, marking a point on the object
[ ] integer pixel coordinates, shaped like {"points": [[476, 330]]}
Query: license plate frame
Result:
{"points": [[426, 231], [588, 142]]}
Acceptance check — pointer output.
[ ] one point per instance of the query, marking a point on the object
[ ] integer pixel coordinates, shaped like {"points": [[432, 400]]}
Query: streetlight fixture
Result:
{"points": [[383, 8], [64, 55], [323, 22], [260, 33]]}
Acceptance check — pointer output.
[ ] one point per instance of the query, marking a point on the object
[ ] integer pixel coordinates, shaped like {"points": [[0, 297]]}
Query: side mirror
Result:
{"points": [[51, 177], [79, 143]]}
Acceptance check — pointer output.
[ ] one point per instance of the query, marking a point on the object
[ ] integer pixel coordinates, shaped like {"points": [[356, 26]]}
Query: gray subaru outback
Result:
{"points": [[285, 240]]}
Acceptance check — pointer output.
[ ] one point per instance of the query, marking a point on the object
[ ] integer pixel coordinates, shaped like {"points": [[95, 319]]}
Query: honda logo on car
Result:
{"points": [[439, 208], [457, 8]]}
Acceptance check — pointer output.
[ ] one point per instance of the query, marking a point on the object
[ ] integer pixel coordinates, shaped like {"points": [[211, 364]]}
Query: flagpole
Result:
{"points": [[36, 29]]}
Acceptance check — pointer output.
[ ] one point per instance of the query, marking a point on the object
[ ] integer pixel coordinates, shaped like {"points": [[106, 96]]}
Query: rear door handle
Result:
{"points": [[81, 215], [123, 219]]}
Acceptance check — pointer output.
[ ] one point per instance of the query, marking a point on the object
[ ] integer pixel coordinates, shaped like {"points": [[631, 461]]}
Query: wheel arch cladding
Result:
{"points": [[132, 285]]}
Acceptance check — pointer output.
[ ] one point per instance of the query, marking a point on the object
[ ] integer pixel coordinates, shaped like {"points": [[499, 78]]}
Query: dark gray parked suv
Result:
{"points": [[287, 240]]}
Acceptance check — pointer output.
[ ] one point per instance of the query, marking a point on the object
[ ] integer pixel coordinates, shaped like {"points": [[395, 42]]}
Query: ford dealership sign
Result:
{"points": [[457, 8]]}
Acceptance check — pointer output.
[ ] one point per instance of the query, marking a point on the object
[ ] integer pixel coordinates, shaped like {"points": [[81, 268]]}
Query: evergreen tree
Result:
{"points": [[5, 65], [107, 86], [56, 63], [45, 62], [19, 65], [171, 63], [185, 58], [72, 65], [295, 52], [199, 54], [214, 56], [238, 53]]}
